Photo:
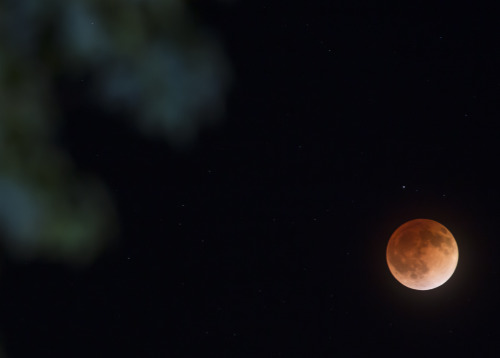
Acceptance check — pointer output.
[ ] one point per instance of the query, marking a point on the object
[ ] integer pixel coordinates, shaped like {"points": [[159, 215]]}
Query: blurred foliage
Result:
{"points": [[150, 59]]}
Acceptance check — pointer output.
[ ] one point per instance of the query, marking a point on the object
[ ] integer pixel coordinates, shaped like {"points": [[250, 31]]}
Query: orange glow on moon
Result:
{"points": [[422, 254]]}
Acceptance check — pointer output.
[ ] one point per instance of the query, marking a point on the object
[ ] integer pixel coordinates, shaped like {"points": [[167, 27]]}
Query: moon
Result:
{"points": [[422, 254]]}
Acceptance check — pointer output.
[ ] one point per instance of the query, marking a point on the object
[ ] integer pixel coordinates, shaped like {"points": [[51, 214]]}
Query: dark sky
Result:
{"points": [[267, 238]]}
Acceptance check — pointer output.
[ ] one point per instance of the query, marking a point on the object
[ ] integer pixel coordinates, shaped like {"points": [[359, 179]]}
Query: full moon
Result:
{"points": [[422, 254]]}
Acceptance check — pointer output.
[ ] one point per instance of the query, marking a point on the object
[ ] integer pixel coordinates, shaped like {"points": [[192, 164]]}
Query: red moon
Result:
{"points": [[422, 254]]}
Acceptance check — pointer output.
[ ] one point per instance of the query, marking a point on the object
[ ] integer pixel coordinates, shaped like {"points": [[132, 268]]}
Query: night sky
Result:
{"points": [[267, 236]]}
